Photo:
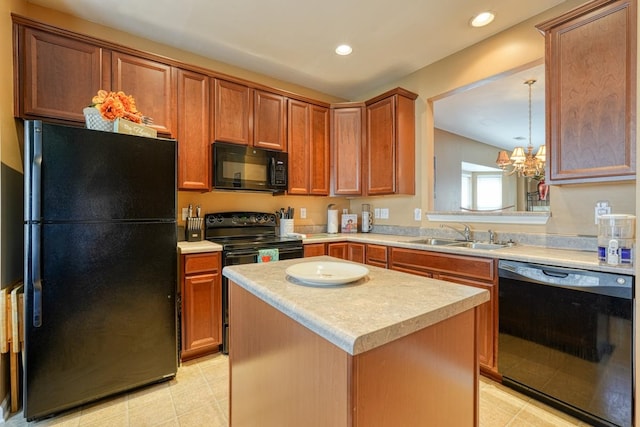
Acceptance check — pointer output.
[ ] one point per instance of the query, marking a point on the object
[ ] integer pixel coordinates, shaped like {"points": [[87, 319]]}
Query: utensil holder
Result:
{"points": [[286, 226]]}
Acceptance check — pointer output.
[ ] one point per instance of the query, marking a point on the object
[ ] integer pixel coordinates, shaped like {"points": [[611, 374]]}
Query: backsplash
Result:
{"points": [[581, 243]]}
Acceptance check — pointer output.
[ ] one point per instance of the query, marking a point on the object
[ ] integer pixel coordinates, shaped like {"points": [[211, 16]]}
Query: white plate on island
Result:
{"points": [[327, 272]]}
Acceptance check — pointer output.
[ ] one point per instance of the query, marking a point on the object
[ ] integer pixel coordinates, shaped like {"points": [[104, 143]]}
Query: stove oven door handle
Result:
{"points": [[238, 254]]}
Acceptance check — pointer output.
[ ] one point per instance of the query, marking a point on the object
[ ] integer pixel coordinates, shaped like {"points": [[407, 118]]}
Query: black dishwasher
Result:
{"points": [[566, 339]]}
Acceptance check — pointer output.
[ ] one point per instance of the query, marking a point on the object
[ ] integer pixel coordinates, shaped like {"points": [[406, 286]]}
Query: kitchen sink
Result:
{"points": [[459, 243], [436, 242], [480, 245]]}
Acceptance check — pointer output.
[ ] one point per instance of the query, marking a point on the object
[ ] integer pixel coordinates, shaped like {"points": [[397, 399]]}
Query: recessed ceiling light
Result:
{"points": [[482, 19], [344, 49]]}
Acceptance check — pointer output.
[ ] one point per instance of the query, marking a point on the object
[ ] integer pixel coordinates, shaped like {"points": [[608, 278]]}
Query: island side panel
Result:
{"points": [[281, 373], [427, 378]]}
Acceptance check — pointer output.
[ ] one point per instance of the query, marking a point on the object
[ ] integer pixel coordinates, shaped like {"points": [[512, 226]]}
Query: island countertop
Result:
{"points": [[383, 306]]}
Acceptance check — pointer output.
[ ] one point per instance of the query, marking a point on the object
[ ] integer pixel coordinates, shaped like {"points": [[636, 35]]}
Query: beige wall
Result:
{"points": [[571, 206]]}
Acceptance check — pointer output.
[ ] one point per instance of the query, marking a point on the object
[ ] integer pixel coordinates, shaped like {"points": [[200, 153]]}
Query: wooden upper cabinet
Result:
{"points": [[193, 131], [320, 153], [308, 146], [591, 93], [57, 76], [247, 116], [299, 148], [390, 149], [347, 139], [233, 113], [152, 84], [270, 121]]}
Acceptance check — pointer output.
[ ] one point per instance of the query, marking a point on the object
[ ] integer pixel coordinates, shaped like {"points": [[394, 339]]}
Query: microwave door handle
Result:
{"points": [[272, 172]]}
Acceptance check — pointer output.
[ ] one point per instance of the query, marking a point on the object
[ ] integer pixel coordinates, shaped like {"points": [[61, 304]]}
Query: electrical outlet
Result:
{"points": [[376, 213], [185, 213], [417, 214], [303, 213], [384, 213]]}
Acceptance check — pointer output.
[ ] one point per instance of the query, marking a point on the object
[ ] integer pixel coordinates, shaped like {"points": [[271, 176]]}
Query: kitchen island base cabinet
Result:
{"points": [[283, 374]]}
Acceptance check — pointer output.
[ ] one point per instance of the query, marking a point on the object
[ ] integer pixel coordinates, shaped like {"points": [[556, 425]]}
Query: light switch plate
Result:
{"points": [[417, 214], [376, 213], [185, 213], [384, 213], [303, 213]]}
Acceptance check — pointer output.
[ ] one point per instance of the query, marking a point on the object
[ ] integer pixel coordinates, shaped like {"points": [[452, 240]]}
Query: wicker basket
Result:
{"points": [[95, 121]]}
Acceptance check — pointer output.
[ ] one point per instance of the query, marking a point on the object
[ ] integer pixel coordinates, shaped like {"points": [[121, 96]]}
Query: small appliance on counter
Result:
{"points": [[616, 234], [332, 219]]}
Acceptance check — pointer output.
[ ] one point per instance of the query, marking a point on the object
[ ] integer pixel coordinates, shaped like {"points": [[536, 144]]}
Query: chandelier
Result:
{"points": [[525, 163]]}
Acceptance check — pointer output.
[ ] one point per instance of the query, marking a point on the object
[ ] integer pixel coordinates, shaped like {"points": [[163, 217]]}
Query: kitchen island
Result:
{"points": [[389, 349]]}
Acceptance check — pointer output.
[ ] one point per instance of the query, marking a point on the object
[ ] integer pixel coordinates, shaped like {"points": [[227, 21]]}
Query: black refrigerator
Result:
{"points": [[100, 265]]}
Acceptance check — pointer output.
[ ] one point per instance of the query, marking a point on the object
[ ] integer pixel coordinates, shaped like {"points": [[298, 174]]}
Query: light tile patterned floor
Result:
{"points": [[198, 396]]}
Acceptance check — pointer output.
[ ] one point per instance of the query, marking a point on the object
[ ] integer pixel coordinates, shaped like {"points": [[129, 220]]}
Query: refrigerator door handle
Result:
{"points": [[36, 277], [34, 169], [37, 304]]}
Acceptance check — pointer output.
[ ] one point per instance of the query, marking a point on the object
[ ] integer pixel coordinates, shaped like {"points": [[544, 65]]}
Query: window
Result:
{"points": [[466, 191], [481, 187], [488, 191]]}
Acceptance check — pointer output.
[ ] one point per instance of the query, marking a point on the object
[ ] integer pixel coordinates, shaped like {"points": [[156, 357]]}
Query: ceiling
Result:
{"points": [[497, 111], [294, 40]]}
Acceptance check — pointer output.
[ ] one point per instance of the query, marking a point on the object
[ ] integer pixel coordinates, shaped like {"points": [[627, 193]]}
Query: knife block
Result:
{"points": [[193, 229], [193, 235]]}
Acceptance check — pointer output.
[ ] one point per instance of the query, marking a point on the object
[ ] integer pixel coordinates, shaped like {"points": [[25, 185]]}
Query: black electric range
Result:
{"points": [[244, 236]]}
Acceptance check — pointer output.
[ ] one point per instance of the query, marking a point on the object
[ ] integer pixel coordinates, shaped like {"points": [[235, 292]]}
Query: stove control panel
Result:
{"points": [[240, 219]]}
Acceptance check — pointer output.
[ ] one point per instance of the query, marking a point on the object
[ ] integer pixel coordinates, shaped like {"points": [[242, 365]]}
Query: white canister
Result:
{"points": [[286, 226], [332, 219]]}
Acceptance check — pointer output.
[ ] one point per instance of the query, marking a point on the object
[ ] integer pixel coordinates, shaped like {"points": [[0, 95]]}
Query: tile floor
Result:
{"points": [[198, 396]]}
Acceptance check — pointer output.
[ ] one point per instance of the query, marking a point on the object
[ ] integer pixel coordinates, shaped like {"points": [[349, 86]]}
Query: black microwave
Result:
{"points": [[239, 167]]}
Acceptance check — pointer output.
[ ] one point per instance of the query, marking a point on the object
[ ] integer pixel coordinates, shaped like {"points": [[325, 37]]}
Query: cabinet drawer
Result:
{"points": [[198, 263], [433, 262]]}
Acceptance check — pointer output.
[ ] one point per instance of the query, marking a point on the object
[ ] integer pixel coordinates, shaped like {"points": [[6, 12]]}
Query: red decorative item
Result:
{"points": [[543, 190]]}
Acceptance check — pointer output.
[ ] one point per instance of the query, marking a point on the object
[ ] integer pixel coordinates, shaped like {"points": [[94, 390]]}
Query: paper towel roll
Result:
{"points": [[332, 221]]}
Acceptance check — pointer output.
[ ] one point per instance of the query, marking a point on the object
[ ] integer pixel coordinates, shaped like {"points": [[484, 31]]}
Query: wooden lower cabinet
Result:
{"points": [[377, 255], [465, 270], [347, 250], [315, 249], [201, 295]]}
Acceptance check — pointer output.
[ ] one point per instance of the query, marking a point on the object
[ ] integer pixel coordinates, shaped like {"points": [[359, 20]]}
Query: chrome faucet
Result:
{"points": [[466, 233], [492, 236]]}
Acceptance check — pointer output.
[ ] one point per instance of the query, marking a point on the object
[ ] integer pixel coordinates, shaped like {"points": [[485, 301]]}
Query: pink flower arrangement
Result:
{"points": [[113, 105]]}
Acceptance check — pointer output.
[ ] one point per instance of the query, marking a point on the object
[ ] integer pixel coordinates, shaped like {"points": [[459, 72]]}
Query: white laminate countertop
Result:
{"points": [[384, 306], [536, 254], [198, 247], [586, 260]]}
